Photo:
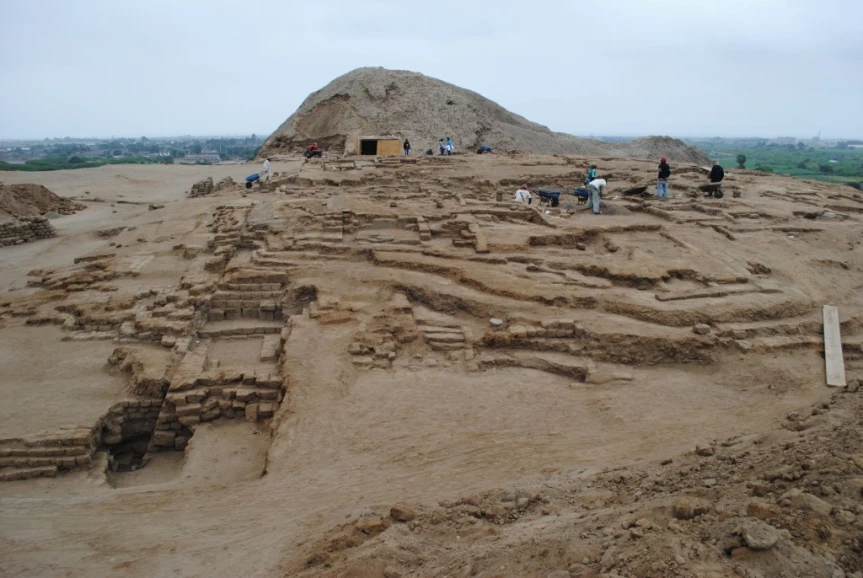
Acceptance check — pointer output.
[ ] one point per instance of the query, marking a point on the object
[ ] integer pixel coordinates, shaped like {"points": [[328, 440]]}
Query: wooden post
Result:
{"points": [[833, 360]]}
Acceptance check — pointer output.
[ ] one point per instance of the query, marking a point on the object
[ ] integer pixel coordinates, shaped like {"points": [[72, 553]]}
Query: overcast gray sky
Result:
{"points": [[602, 67]]}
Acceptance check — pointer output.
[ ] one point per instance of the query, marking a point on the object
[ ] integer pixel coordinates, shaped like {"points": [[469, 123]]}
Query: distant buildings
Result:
{"points": [[785, 140], [205, 158]]}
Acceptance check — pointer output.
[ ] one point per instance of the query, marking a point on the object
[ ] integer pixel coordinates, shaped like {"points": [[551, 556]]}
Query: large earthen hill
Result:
{"points": [[377, 102]]}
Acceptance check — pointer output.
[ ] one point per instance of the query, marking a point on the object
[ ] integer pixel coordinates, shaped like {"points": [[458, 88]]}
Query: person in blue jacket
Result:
{"points": [[591, 174]]}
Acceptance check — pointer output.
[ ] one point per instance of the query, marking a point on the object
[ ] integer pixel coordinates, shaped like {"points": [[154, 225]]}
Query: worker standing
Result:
{"points": [[596, 187], [407, 147], [449, 146], [662, 181], [591, 174], [442, 146], [266, 171]]}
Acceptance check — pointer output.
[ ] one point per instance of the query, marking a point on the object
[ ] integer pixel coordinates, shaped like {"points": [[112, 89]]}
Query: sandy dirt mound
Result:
{"points": [[376, 101], [29, 200]]}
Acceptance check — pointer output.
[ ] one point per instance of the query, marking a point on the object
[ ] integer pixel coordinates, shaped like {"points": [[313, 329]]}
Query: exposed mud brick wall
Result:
{"points": [[129, 419], [25, 229], [43, 456], [202, 188], [225, 183]]}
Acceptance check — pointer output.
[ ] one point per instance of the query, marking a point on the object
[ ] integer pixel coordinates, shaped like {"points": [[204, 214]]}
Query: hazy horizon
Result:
{"points": [[627, 68]]}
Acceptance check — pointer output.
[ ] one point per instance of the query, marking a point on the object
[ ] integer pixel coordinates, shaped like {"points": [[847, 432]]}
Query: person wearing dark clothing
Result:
{"points": [[662, 182], [407, 147], [442, 146], [717, 173]]}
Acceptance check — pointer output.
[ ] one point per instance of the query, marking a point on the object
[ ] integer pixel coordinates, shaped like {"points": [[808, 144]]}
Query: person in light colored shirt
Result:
{"points": [[523, 195], [596, 188], [266, 171]]}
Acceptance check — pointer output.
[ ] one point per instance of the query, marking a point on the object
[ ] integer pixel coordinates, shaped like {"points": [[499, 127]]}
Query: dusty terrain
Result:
{"points": [[394, 370]]}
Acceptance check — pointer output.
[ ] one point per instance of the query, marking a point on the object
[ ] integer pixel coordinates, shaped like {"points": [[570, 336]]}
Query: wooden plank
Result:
{"points": [[833, 359]]}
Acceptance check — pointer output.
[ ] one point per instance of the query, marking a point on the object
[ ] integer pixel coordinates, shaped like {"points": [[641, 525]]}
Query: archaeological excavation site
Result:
{"points": [[385, 367]]}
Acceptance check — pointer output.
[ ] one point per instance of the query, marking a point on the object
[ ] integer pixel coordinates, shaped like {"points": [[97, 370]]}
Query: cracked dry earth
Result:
{"points": [[381, 369]]}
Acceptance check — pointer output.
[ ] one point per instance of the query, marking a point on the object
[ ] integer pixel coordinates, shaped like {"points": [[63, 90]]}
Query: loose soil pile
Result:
{"points": [[30, 200], [380, 102]]}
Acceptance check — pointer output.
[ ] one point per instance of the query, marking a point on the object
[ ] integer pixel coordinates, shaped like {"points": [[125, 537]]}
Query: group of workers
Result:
{"points": [[445, 147], [596, 186]]}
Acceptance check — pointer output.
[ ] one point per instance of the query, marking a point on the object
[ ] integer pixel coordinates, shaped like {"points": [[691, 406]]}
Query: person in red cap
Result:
{"points": [[662, 182]]}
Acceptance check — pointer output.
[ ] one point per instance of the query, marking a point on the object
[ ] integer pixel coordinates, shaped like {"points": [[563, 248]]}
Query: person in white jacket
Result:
{"points": [[523, 195], [596, 188], [266, 171]]}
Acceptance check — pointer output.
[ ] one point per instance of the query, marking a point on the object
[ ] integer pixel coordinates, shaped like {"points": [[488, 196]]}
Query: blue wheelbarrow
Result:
{"points": [[582, 195], [254, 178], [548, 197]]}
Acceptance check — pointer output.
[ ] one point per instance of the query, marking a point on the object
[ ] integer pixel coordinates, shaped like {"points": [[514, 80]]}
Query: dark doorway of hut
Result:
{"points": [[368, 147]]}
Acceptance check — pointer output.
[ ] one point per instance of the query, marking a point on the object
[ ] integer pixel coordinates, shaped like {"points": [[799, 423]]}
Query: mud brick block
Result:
{"points": [[84, 461], [268, 305], [246, 394], [265, 409], [195, 396], [269, 380], [67, 462], [268, 394], [176, 398], [238, 405], [112, 439], [82, 438], [232, 314], [190, 420], [211, 404], [211, 415], [250, 378], [225, 404], [216, 315], [190, 409], [176, 426], [252, 412], [180, 443]]}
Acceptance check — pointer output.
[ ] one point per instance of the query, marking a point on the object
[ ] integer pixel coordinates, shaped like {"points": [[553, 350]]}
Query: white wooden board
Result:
{"points": [[833, 359]]}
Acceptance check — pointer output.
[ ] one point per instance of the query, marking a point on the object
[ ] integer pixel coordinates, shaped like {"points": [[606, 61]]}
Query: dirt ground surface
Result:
{"points": [[386, 367]]}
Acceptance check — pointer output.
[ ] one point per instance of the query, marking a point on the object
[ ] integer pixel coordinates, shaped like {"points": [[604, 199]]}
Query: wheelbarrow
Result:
{"points": [[548, 197], [251, 179], [581, 195]]}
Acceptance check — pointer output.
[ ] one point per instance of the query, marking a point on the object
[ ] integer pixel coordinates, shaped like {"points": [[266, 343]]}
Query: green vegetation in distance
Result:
{"points": [[833, 165], [63, 163]]}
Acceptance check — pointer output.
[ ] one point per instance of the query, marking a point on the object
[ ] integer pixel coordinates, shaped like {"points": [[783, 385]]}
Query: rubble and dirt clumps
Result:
{"points": [[30, 200], [380, 102], [764, 506]]}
